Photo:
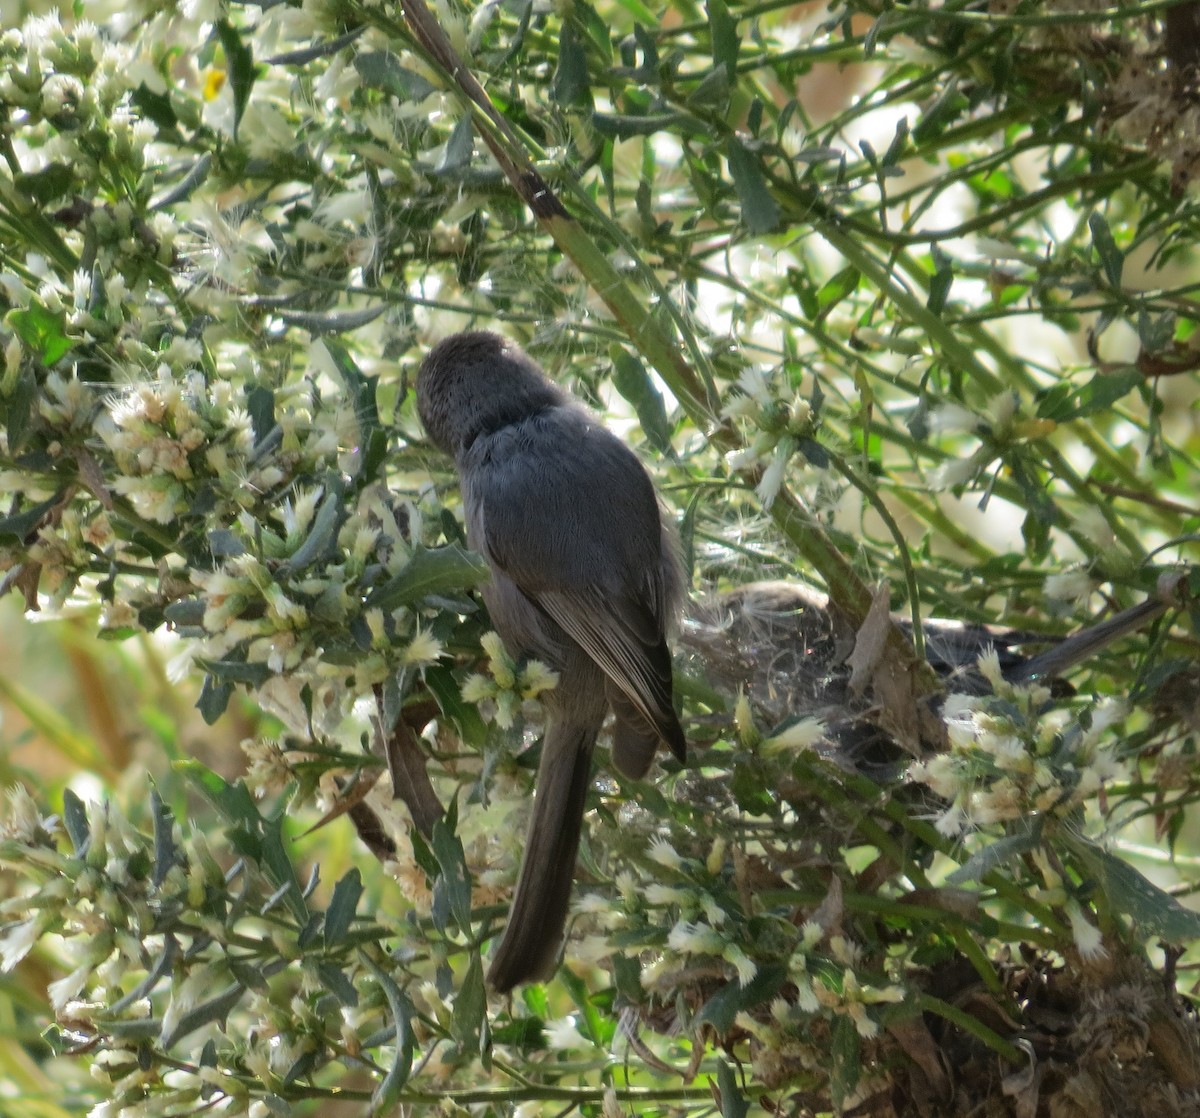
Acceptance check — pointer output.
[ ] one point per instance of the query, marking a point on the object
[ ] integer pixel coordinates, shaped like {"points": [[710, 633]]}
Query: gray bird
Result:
{"points": [[584, 576]]}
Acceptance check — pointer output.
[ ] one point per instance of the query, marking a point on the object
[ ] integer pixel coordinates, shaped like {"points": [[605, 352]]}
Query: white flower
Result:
{"points": [[664, 854], [952, 418], [423, 649], [988, 663], [659, 894], [22, 821], [1069, 586], [796, 737], [745, 966], [772, 477], [563, 1035], [16, 941], [537, 677], [953, 473], [1088, 940], [695, 939]]}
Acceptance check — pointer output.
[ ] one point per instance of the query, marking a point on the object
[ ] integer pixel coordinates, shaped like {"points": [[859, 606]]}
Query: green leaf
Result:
{"points": [[364, 392], [53, 181], [17, 410], [1061, 403], [633, 382], [322, 535], [1112, 259], [596, 1027], [18, 525], [466, 719], [760, 211], [847, 1060], [1153, 911], [640, 12], [253, 835], [382, 70], [253, 674], [342, 906], [453, 879], [722, 29], [240, 62], [260, 403], [458, 148], [162, 969], [76, 821], [362, 389], [43, 331], [1005, 849], [834, 290], [939, 284], [570, 85], [155, 107], [213, 1011], [470, 1007], [733, 1103], [336, 982], [431, 570], [165, 852], [387, 1094], [214, 699], [721, 1009]]}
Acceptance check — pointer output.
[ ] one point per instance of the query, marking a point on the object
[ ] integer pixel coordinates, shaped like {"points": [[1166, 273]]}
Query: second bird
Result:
{"points": [[584, 576]]}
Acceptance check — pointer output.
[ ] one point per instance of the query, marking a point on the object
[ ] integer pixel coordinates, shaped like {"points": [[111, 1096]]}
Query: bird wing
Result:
{"points": [[568, 514]]}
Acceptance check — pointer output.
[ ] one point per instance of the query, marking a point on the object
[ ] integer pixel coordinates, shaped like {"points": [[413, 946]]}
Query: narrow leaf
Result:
{"points": [[633, 382], [240, 60], [1153, 911], [342, 906], [760, 211], [570, 83], [733, 1102], [433, 570], [382, 70], [1112, 259], [722, 28]]}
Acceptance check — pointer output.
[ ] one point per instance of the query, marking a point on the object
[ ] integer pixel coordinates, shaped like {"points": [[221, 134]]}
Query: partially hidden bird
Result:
{"points": [[585, 576]]}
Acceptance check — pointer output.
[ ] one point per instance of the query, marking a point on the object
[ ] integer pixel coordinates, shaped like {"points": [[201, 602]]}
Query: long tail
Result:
{"points": [[529, 948]]}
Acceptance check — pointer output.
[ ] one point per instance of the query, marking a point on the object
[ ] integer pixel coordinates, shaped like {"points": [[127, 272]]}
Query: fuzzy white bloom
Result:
{"points": [[501, 665], [1088, 940], [953, 472], [658, 894], [664, 854], [1069, 586], [16, 941], [591, 904], [772, 478], [695, 939], [423, 649], [22, 820], [537, 677], [795, 738], [1092, 525], [988, 663], [562, 1034], [951, 418], [745, 966]]}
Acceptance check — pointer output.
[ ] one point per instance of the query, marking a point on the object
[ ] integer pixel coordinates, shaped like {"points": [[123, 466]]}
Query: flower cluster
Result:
{"points": [[1014, 755], [159, 954], [778, 427], [507, 685]]}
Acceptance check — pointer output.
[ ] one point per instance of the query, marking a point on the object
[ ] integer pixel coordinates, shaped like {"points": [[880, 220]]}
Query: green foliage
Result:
{"points": [[896, 293]]}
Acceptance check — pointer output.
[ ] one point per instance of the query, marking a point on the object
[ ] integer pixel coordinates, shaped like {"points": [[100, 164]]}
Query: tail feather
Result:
{"points": [[635, 738], [529, 948]]}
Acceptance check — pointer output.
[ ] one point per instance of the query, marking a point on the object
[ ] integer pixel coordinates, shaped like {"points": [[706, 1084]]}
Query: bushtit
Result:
{"points": [[584, 576]]}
